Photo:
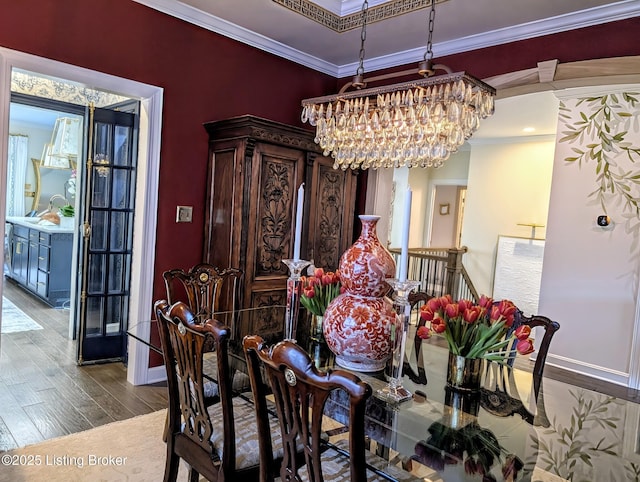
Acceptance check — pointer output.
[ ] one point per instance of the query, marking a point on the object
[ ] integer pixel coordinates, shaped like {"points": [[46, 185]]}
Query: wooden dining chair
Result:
{"points": [[550, 328], [499, 395], [205, 288], [217, 441], [300, 392], [416, 300], [419, 374]]}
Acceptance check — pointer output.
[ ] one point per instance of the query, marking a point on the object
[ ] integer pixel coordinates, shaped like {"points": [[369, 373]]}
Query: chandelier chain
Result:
{"points": [[363, 36], [428, 55], [416, 123]]}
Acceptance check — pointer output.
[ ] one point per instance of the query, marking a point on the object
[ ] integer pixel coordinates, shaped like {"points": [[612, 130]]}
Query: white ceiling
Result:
{"points": [[537, 113], [37, 117]]}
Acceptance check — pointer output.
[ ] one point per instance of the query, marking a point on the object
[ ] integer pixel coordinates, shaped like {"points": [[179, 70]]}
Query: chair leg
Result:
{"points": [[165, 433], [194, 476], [172, 464]]}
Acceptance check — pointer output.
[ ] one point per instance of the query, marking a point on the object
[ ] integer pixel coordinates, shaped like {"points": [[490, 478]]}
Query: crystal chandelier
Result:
{"points": [[415, 123]]}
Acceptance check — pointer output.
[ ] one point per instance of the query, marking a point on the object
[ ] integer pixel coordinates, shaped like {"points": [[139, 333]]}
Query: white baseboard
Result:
{"points": [[156, 374], [601, 373]]}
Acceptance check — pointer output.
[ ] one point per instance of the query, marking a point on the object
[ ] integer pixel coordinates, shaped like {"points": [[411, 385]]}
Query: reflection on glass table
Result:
{"points": [[505, 432]]}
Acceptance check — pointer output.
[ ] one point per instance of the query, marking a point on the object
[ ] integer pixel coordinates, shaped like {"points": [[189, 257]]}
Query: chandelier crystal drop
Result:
{"points": [[416, 123]]}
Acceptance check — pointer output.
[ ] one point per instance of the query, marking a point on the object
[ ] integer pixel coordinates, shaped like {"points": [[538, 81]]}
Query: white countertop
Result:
{"points": [[36, 223]]}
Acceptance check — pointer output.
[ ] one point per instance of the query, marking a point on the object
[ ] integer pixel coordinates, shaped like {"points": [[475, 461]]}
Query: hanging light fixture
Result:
{"points": [[414, 123], [62, 152]]}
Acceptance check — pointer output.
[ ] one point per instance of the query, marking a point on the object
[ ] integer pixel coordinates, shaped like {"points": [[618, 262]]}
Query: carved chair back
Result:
{"points": [[550, 328], [208, 446], [499, 395], [205, 288], [419, 374], [300, 392]]}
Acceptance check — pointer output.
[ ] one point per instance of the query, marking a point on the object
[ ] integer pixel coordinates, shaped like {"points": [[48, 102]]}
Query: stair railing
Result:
{"points": [[440, 271]]}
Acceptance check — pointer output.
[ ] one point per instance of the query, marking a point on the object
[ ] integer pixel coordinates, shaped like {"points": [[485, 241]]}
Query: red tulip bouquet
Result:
{"points": [[319, 290], [476, 330]]}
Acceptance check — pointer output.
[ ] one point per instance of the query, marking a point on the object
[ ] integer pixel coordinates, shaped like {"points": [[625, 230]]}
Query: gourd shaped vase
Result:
{"points": [[357, 323]]}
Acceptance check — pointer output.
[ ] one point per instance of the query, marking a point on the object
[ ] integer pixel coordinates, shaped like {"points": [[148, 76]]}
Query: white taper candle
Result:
{"points": [[404, 245], [298, 236]]}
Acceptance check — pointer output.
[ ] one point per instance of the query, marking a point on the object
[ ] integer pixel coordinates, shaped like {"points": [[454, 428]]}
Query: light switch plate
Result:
{"points": [[184, 214]]}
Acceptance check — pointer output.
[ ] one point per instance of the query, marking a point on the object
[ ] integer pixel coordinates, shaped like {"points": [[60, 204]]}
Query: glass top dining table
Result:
{"points": [[515, 428]]}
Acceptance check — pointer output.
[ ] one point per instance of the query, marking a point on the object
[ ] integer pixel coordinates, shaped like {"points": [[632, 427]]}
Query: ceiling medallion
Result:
{"points": [[341, 24]]}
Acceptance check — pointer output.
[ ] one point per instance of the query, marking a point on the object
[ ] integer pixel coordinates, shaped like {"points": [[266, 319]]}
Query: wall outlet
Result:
{"points": [[184, 214]]}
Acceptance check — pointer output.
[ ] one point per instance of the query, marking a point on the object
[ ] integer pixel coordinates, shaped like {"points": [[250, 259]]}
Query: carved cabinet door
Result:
{"points": [[331, 212], [276, 173]]}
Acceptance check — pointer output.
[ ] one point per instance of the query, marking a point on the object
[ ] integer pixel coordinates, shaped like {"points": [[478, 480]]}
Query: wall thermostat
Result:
{"points": [[604, 220]]}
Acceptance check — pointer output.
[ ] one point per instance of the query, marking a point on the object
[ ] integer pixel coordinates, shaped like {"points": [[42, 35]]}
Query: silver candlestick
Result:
{"points": [[294, 288], [394, 391]]}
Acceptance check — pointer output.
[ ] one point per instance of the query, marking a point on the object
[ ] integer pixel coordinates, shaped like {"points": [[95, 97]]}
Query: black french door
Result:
{"points": [[106, 230]]}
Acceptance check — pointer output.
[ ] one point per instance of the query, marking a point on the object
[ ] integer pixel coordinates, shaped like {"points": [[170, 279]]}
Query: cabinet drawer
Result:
{"points": [[34, 236], [42, 287], [43, 258], [20, 231], [44, 238]]}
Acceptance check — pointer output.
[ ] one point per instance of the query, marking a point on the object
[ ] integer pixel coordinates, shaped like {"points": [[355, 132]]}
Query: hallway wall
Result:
{"points": [[509, 184], [590, 275]]}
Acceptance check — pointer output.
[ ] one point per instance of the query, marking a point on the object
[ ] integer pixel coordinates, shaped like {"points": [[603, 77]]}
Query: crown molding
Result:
{"points": [[586, 18]]}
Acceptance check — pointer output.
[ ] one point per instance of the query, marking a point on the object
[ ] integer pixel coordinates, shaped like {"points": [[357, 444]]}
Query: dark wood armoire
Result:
{"points": [[255, 169]]}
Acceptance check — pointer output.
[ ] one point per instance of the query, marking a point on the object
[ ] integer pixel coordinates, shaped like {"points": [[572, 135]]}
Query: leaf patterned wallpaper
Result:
{"points": [[598, 129]]}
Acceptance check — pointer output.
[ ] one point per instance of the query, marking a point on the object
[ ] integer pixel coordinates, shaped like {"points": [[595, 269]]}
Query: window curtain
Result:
{"points": [[17, 174]]}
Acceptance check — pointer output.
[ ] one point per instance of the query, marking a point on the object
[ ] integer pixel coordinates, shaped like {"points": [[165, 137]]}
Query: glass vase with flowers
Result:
{"points": [[474, 331], [318, 291]]}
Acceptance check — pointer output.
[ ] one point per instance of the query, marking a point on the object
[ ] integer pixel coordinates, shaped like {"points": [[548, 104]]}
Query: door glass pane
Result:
{"points": [[120, 188], [114, 314], [101, 183], [97, 273], [94, 316], [118, 272], [101, 159], [118, 231], [122, 143], [99, 229]]}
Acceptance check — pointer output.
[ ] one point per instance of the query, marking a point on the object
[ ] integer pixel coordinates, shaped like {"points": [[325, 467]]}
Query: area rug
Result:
{"points": [[15, 320], [128, 450]]}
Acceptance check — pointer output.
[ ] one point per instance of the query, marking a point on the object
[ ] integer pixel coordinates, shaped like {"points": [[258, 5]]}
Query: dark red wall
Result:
{"points": [[206, 77]]}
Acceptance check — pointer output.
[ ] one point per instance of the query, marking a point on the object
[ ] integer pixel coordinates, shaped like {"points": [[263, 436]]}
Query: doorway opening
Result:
{"points": [[447, 212], [143, 226]]}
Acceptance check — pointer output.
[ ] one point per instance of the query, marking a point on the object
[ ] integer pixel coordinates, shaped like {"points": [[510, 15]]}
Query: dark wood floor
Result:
{"points": [[45, 394]]}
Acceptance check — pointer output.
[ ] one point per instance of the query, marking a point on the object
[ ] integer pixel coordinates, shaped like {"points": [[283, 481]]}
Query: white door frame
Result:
{"points": [[144, 234]]}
